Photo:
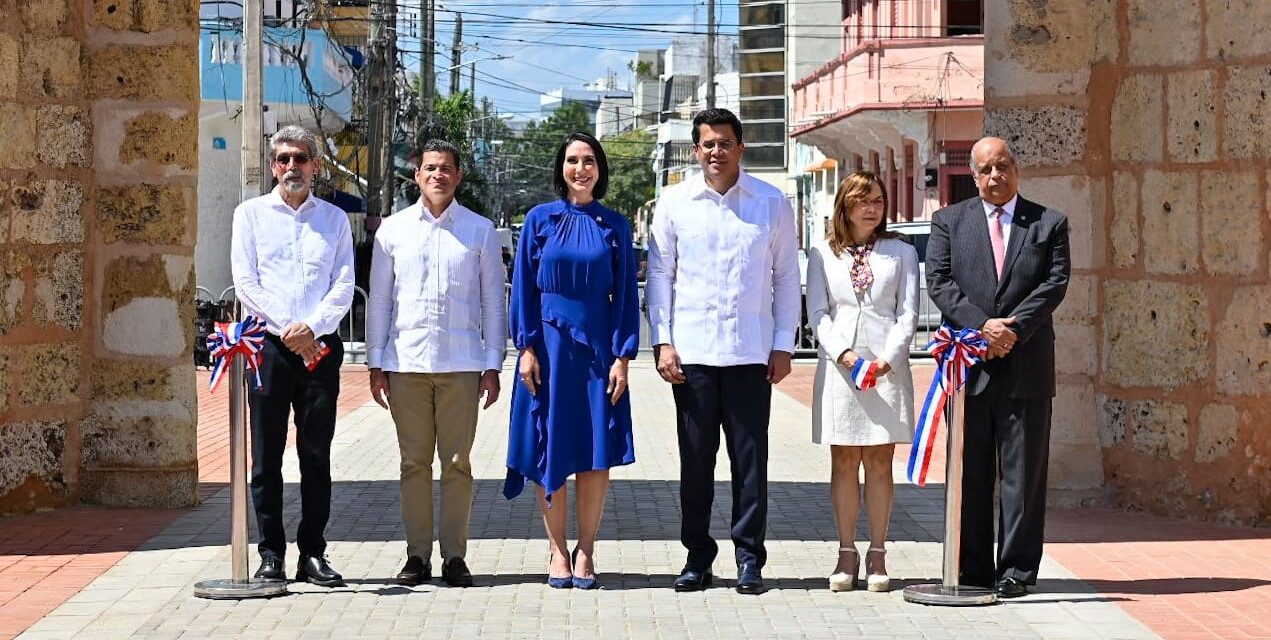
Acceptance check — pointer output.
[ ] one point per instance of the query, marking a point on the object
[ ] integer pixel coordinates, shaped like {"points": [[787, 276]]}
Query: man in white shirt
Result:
{"points": [[292, 258], [723, 298], [436, 332]]}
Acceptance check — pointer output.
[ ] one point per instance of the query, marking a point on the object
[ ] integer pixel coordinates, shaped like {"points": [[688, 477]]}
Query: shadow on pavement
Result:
{"points": [[369, 511], [1152, 586], [1098, 524]]}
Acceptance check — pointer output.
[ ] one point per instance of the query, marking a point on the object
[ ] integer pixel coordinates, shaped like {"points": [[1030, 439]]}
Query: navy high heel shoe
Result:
{"points": [[580, 583], [560, 583]]}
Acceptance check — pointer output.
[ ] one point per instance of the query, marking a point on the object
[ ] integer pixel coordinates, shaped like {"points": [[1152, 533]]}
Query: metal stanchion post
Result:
{"points": [[240, 585], [949, 593]]}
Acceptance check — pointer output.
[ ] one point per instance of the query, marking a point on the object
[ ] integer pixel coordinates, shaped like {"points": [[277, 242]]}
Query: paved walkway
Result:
{"points": [[146, 593], [48, 557]]}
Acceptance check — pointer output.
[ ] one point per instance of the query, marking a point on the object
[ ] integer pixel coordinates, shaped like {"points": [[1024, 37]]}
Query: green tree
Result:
{"points": [[630, 171], [643, 70], [533, 153], [453, 119]]}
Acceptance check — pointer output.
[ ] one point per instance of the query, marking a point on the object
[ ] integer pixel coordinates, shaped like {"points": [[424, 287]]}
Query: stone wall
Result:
{"points": [[1149, 123], [98, 153]]}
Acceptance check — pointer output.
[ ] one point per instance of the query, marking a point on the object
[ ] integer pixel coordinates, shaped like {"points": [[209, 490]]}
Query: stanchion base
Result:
{"points": [[226, 589], [940, 595]]}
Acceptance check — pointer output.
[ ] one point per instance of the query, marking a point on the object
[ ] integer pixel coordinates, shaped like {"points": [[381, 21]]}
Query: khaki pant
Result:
{"points": [[435, 412]]}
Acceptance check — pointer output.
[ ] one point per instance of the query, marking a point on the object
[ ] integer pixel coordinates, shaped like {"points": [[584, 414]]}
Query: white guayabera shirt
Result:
{"points": [[437, 301], [723, 275]]}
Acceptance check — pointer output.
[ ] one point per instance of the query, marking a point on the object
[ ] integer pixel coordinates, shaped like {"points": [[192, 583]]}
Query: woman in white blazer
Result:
{"points": [[863, 306]]}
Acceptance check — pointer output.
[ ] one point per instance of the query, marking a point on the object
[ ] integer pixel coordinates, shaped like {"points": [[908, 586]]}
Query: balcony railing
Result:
{"points": [[914, 73]]}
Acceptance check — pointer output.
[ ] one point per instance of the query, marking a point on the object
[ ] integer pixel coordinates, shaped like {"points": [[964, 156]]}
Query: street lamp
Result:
{"points": [[472, 76], [464, 64], [501, 116]]}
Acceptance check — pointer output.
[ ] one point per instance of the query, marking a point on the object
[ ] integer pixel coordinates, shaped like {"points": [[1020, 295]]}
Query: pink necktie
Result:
{"points": [[999, 242]]}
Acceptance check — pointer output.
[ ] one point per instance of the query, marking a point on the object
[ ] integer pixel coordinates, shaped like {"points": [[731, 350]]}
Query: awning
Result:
{"points": [[828, 163]]}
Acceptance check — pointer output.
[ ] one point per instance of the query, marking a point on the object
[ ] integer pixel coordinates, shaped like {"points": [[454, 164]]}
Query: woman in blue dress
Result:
{"points": [[575, 322]]}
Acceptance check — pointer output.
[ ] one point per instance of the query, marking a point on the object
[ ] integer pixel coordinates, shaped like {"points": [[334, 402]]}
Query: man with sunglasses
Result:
{"points": [[724, 303], [292, 257]]}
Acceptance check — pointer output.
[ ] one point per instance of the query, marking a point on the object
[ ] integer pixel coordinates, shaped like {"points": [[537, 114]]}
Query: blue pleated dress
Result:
{"points": [[575, 302]]}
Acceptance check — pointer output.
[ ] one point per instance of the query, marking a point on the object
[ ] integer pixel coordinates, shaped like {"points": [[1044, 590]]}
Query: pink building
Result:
{"points": [[903, 98]]}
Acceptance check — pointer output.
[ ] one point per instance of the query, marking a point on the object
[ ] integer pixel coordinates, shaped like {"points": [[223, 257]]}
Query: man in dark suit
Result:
{"points": [[999, 263]]}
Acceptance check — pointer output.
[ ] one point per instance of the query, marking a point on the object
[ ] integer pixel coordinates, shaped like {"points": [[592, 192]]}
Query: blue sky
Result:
{"points": [[538, 56]]}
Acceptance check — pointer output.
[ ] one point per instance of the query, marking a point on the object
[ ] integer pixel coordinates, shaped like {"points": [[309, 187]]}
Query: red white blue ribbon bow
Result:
{"points": [[244, 338], [955, 353], [865, 374]]}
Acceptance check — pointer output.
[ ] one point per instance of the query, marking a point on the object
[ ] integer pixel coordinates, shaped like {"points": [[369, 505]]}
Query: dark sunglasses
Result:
{"points": [[285, 159]]}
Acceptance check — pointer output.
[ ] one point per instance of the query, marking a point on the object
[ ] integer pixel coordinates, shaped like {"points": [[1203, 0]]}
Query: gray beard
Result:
{"points": [[294, 186]]}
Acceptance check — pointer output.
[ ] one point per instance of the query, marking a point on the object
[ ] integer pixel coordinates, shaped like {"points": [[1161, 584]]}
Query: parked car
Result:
{"points": [[917, 233]]}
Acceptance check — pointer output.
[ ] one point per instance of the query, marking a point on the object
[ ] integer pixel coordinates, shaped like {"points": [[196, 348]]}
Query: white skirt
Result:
{"points": [[845, 415]]}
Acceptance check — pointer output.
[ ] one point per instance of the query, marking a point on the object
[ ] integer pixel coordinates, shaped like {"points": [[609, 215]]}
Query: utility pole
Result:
{"points": [[710, 54], [427, 79], [456, 55], [388, 185], [381, 103], [432, 52], [252, 170]]}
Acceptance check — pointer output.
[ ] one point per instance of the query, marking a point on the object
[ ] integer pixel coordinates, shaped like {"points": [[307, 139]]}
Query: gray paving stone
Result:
{"points": [[148, 594]]}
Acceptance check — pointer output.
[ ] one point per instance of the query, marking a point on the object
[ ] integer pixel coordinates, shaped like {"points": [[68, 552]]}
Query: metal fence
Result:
{"points": [[928, 322], [352, 328]]}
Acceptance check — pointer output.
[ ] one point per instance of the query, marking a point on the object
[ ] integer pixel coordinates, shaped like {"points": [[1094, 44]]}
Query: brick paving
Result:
{"points": [[48, 557], [147, 593], [1184, 580]]}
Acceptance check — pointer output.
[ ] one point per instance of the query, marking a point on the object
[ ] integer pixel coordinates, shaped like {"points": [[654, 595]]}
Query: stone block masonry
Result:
{"points": [[98, 126], [1176, 152]]}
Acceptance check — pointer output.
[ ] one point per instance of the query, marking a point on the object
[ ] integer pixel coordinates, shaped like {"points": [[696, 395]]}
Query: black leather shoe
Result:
{"points": [[455, 573], [271, 568], [316, 570], [415, 572], [749, 579], [1010, 588], [693, 579]]}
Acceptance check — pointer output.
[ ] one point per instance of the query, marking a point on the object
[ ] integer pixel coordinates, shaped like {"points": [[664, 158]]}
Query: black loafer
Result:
{"points": [[749, 579], [455, 573], [315, 569], [415, 572], [271, 568], [693, 579], [1010, 588]]}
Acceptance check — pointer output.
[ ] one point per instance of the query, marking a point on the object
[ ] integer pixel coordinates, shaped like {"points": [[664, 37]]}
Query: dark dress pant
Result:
{"points": [[1008, 438], [286, 386], [738, 399]]}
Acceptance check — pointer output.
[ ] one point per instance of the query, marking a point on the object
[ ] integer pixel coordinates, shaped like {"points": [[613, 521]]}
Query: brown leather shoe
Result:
{"points": [[415, 572]]}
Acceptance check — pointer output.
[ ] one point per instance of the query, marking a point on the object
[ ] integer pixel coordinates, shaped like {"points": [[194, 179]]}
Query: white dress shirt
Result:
{"points": [[723, 274], [1008, 215], [292, 265], [437, 300]]}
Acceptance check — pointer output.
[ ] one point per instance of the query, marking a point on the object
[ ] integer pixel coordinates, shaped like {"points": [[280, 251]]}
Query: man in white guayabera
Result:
{"points": [[436, 332]]}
